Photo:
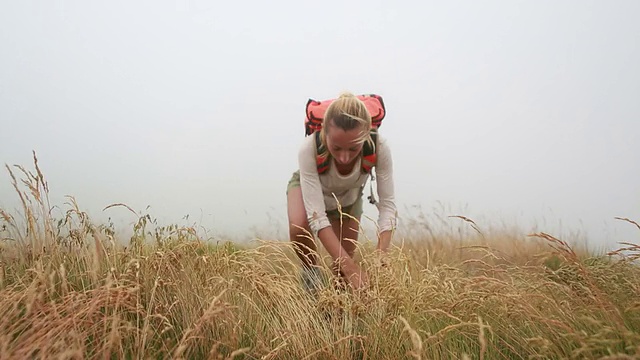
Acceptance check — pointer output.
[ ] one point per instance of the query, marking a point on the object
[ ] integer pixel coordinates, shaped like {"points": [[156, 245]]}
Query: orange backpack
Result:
{"points": [[315, 111]]}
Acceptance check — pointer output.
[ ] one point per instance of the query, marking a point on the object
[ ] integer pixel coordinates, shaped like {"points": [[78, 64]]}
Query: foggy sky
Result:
{"points": [[522, 113]]}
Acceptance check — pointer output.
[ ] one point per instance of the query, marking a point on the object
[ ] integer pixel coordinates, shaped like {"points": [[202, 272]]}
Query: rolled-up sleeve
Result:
{"points": [[387, 210], [311, 187]]}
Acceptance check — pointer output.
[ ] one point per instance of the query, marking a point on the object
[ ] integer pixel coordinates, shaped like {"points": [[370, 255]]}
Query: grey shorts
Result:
{"points": [[354, 209]]}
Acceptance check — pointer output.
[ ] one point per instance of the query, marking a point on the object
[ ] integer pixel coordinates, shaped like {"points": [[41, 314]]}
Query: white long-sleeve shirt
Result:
{"points": [[318, 190]]}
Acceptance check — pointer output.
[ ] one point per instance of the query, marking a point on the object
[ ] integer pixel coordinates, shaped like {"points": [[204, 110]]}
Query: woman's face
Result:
{"points": [[344, 145]]}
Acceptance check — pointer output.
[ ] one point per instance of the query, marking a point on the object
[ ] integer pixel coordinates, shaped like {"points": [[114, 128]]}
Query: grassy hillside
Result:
{"points": [[69, 289]]}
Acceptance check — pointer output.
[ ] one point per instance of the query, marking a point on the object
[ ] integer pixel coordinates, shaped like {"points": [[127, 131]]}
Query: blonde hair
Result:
{"points": [[347, 112]]}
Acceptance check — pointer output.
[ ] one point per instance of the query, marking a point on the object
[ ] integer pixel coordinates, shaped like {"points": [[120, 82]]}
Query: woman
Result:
{"points": [[311, 197]]}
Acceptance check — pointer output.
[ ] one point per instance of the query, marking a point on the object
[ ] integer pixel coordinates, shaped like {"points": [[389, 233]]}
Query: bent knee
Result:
{"points": [[299, 226]]}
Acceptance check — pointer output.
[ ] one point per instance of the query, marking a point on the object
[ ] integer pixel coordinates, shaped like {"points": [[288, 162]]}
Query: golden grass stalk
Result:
{"points": [[70, 289]]}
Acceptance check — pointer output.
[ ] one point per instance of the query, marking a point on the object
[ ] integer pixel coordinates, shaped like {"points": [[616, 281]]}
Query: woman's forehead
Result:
{"points": [[346, 137]]}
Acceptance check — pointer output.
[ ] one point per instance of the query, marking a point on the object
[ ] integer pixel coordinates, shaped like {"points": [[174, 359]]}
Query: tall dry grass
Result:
{"points": [[69, 289]]}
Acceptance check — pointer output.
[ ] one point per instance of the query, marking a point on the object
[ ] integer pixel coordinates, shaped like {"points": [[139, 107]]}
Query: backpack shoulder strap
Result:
{"points": [[322, 162], [369, 156]]}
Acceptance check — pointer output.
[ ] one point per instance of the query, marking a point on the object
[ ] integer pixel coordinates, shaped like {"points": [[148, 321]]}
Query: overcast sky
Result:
{"points": [[522, 113]]}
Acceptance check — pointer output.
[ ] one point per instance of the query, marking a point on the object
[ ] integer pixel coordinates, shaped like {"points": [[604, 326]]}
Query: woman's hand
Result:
{"points": [[357, 278], [381, 258], [384, 240]]}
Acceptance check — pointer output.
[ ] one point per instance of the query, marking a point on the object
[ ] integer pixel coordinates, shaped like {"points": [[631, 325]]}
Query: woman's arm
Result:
{"points": [[387, 217], [351, 271]]}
